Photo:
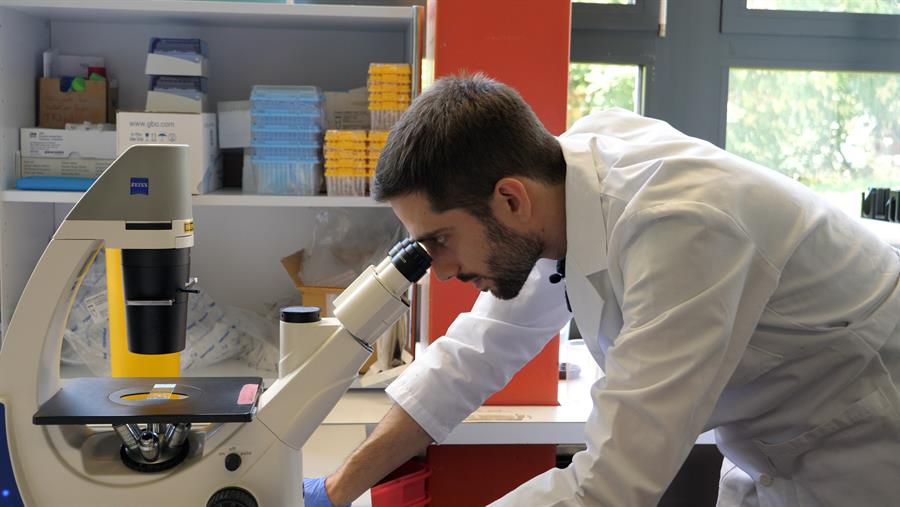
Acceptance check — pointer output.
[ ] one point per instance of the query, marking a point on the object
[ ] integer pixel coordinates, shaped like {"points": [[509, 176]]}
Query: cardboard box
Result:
{"points": [[57, 65], [62, 143], [56, 108], [69, 167], [234, 124], [196, 130]]}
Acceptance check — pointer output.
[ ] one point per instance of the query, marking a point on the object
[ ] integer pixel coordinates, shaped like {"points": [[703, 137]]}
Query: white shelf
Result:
{"points": [[226, 14], [225, 197], [234, 197]]}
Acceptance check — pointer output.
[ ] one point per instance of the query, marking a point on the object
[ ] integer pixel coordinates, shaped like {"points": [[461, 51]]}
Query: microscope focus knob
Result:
{"points": [[232, 497], [232, 462]]}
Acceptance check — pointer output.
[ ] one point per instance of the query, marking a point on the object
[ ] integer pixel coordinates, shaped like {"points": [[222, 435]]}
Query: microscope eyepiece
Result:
{"points": [[411, 259]]}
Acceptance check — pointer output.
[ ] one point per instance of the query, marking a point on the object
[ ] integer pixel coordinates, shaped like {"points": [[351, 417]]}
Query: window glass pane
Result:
{"points": [[617, 2], [837, 132], [858, 6], [597, 86]]}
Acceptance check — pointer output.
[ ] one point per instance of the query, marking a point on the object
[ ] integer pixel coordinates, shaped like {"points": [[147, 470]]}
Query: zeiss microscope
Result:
{"points": [[181, 441]]}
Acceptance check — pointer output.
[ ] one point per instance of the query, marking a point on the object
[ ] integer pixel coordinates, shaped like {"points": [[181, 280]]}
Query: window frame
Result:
{"points": [[643, 15], [737, 18], [686, 73]]}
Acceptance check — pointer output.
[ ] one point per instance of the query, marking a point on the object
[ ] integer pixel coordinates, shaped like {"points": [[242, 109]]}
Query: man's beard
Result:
{"points": [[511, 257]]}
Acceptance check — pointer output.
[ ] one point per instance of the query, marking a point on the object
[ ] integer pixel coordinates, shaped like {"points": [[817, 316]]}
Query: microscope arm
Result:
{"points": [[311, 383]]}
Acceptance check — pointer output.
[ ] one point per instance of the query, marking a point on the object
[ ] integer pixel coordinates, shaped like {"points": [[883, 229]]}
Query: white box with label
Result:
{"points": [[61, 143], [197, 130], [69, 167]]}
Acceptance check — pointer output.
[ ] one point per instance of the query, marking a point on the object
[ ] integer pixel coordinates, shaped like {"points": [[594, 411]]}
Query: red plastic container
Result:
{"points": [[404, 487]]}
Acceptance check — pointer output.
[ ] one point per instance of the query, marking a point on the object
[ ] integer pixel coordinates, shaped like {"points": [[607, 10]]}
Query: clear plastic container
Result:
{"points": [[287, 152], [280, 136], [297, 177], [384, 120], [279, 119], [346, 182]]}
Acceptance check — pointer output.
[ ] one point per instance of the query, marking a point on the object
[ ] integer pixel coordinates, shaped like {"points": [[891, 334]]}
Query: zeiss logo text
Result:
{"points": [[140, 186]]}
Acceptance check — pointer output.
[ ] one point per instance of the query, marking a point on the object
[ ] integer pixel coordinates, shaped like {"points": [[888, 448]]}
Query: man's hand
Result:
{"points": [[396, 439], [314, 494]]}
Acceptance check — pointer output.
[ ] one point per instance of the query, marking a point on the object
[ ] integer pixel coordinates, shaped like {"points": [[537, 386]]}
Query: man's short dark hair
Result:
{"points": [[459, 138]]}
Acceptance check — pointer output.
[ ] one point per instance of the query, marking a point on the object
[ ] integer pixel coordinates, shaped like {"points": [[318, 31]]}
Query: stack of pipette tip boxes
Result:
{"points": [[345, 162], [377, 139], [285, 153], [177, 69], [350, 160], [390, 92]]}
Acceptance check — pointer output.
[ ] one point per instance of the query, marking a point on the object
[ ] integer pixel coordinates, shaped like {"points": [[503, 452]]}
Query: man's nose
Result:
{"points": [[444, 269]]}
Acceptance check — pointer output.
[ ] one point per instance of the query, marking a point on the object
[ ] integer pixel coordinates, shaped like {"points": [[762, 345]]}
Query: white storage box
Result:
{"points": [[177, 57], [176, 94], [197, 130], [234, 124]]}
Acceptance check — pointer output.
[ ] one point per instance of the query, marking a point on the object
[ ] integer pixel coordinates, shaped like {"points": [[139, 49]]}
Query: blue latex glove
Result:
{"points": [[314, 494]]}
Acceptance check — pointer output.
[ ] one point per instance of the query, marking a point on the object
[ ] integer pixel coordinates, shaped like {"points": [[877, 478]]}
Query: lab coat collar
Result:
{"points": [[585, 220]]}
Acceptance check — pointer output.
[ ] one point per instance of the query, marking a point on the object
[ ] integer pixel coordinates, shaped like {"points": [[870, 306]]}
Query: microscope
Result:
{"points": [[180, 441]]}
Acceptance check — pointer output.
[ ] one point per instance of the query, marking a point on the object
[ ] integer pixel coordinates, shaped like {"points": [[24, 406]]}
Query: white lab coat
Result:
{"points": [[714, 293]]}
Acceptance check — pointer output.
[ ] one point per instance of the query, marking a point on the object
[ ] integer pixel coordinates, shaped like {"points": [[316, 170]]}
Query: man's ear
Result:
{"points": [[511, 200]]}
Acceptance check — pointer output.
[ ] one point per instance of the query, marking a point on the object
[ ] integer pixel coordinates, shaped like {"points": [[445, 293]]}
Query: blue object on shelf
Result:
{"points": [[9, 492], [286, 93], [285, 152], [283, 99], [296, 119], [57, 183], [281, 136]]}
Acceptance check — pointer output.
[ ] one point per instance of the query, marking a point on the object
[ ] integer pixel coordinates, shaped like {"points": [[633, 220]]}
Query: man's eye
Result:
{"points": [[435, 244]]}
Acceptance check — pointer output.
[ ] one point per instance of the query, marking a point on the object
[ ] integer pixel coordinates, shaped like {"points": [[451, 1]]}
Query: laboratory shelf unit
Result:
{"points": [[240, 239]]}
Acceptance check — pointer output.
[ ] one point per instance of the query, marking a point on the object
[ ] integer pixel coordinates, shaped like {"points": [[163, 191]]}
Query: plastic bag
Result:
{"points": [[212, 335], [343, 245]]}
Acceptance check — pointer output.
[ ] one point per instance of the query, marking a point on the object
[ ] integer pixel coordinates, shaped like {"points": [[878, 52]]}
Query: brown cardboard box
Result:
{"points": [[56, 108]]}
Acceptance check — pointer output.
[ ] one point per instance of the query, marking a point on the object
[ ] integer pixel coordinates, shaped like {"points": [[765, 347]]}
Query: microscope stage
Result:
{"points": [[124, 400]]}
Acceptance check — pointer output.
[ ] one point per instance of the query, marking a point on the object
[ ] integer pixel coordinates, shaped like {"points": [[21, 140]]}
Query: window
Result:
{"points": [[593, 87], [806, 87], [836, 132], [857, 6]]}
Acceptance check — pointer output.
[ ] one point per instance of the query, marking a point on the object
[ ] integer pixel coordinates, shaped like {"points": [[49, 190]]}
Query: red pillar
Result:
{"points": [[525, 44]]}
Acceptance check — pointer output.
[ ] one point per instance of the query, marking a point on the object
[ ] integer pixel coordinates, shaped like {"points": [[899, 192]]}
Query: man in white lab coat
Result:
{"points": [[714, 293]]}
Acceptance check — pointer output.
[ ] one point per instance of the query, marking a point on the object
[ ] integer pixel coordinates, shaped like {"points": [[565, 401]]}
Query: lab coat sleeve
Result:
{"points": [[693, 289], [481, 351]]}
